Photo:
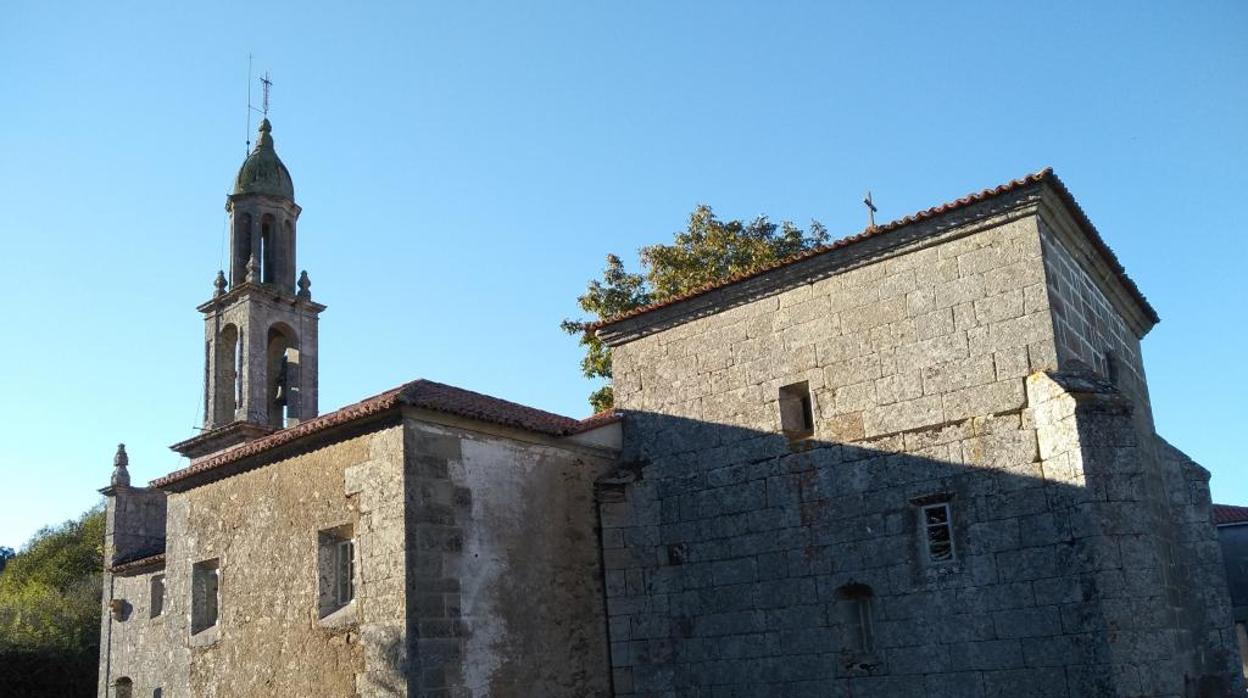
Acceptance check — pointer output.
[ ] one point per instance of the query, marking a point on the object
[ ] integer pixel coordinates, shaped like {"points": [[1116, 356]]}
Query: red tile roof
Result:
{"points": [[422, 394], [1045, 175], [1224, 514]]}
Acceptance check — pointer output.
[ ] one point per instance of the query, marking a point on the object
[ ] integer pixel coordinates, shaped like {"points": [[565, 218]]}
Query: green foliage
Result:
{"points": [[707, 251], [50, 609]]}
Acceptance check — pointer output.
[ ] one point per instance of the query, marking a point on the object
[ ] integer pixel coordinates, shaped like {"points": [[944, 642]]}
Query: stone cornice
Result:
{"points": [[263, 291], [218, 439]]}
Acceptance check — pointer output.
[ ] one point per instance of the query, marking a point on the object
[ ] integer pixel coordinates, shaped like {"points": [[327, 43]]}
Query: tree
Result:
{"points": [[50, 610], [707, 251]]}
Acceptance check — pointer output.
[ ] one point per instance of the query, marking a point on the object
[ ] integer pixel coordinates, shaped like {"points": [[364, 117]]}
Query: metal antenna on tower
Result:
{"points": [[248, 132]]}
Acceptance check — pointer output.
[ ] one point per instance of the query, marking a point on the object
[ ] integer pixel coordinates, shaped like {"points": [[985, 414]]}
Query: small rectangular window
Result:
{"points": [[157, 595], [1112, 367], [335, 569], [797, 411], [855, 610], [205, 595], [938, 528]]}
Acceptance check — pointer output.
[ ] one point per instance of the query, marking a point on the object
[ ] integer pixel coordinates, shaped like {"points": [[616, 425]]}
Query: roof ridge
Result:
{"points": [[1045, 174], [409, 387], [421, 393]]}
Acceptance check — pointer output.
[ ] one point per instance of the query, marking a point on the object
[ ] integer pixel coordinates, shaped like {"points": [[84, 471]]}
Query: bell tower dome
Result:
{"points": [[260, 333]]}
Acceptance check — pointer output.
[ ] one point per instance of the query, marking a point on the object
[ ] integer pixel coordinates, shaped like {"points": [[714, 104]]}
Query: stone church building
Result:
{"points": [[919, 461]]}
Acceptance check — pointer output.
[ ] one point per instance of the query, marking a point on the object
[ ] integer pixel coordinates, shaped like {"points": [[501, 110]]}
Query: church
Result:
{"points": [[919, 461]]}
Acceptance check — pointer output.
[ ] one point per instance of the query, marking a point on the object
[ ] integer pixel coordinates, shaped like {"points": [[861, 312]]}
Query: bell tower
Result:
{"points": [[260, 327]]}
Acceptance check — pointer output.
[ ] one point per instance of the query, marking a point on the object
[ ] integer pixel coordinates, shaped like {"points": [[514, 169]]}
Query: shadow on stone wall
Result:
{"points": [[743, 563]]}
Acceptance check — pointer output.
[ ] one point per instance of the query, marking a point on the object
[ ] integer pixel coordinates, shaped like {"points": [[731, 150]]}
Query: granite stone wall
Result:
{"points": [[505, 580], [741, 562], [262, 526], [134, 643], [1087, 328]]}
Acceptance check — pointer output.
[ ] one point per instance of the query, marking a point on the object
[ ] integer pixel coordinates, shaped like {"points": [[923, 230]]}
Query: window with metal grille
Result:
{"points": [[938, 529], [335, 570], [344, 567]]}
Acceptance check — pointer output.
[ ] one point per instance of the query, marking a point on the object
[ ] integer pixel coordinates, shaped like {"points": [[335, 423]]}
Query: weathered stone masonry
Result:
{"points": [[934, 367], [428, 541], [920, 462]]}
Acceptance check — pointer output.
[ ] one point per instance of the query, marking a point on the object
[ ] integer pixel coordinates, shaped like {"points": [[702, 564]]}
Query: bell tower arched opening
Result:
{"points": [[227, 376], [268, 249], [240, 244], [282, 363]]}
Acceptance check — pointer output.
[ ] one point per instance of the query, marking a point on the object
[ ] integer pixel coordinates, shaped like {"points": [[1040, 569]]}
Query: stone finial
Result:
{"points": [[305, 285], [121, 476], [219, 284], [253, 271]]}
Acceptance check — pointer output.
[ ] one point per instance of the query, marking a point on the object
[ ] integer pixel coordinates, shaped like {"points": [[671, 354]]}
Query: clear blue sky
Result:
{"points": [[464, 168]]}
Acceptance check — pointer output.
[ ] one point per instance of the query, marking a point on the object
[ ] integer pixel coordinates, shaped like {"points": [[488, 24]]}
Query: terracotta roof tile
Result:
{"points": [[141, 563], [1224, 514], [422, 394], [1045, 175], [439, 397], [603, 418]]}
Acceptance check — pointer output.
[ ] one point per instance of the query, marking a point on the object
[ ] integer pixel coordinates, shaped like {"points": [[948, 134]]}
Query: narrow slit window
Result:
{"points": [[938, 529], [1112, 368], [157, 595], [797, 411]]}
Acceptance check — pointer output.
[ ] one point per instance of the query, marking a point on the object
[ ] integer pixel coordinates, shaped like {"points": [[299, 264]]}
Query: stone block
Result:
{"points": [[963, 290], [957, 374], [898, 387], [851, 371], [1012, 276], [873, 315], [902, 416], [1028, 622], [932, 351], [1026, 683], [933, 324], [856, 397], [842, 428], [1002, 396], [1001, 307]]}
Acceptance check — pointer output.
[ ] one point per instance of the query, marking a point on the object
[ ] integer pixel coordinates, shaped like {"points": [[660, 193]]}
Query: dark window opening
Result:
{"points": [[205, 595], [157, 595], [855, 615], [1112, 368], [797, 411]]}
